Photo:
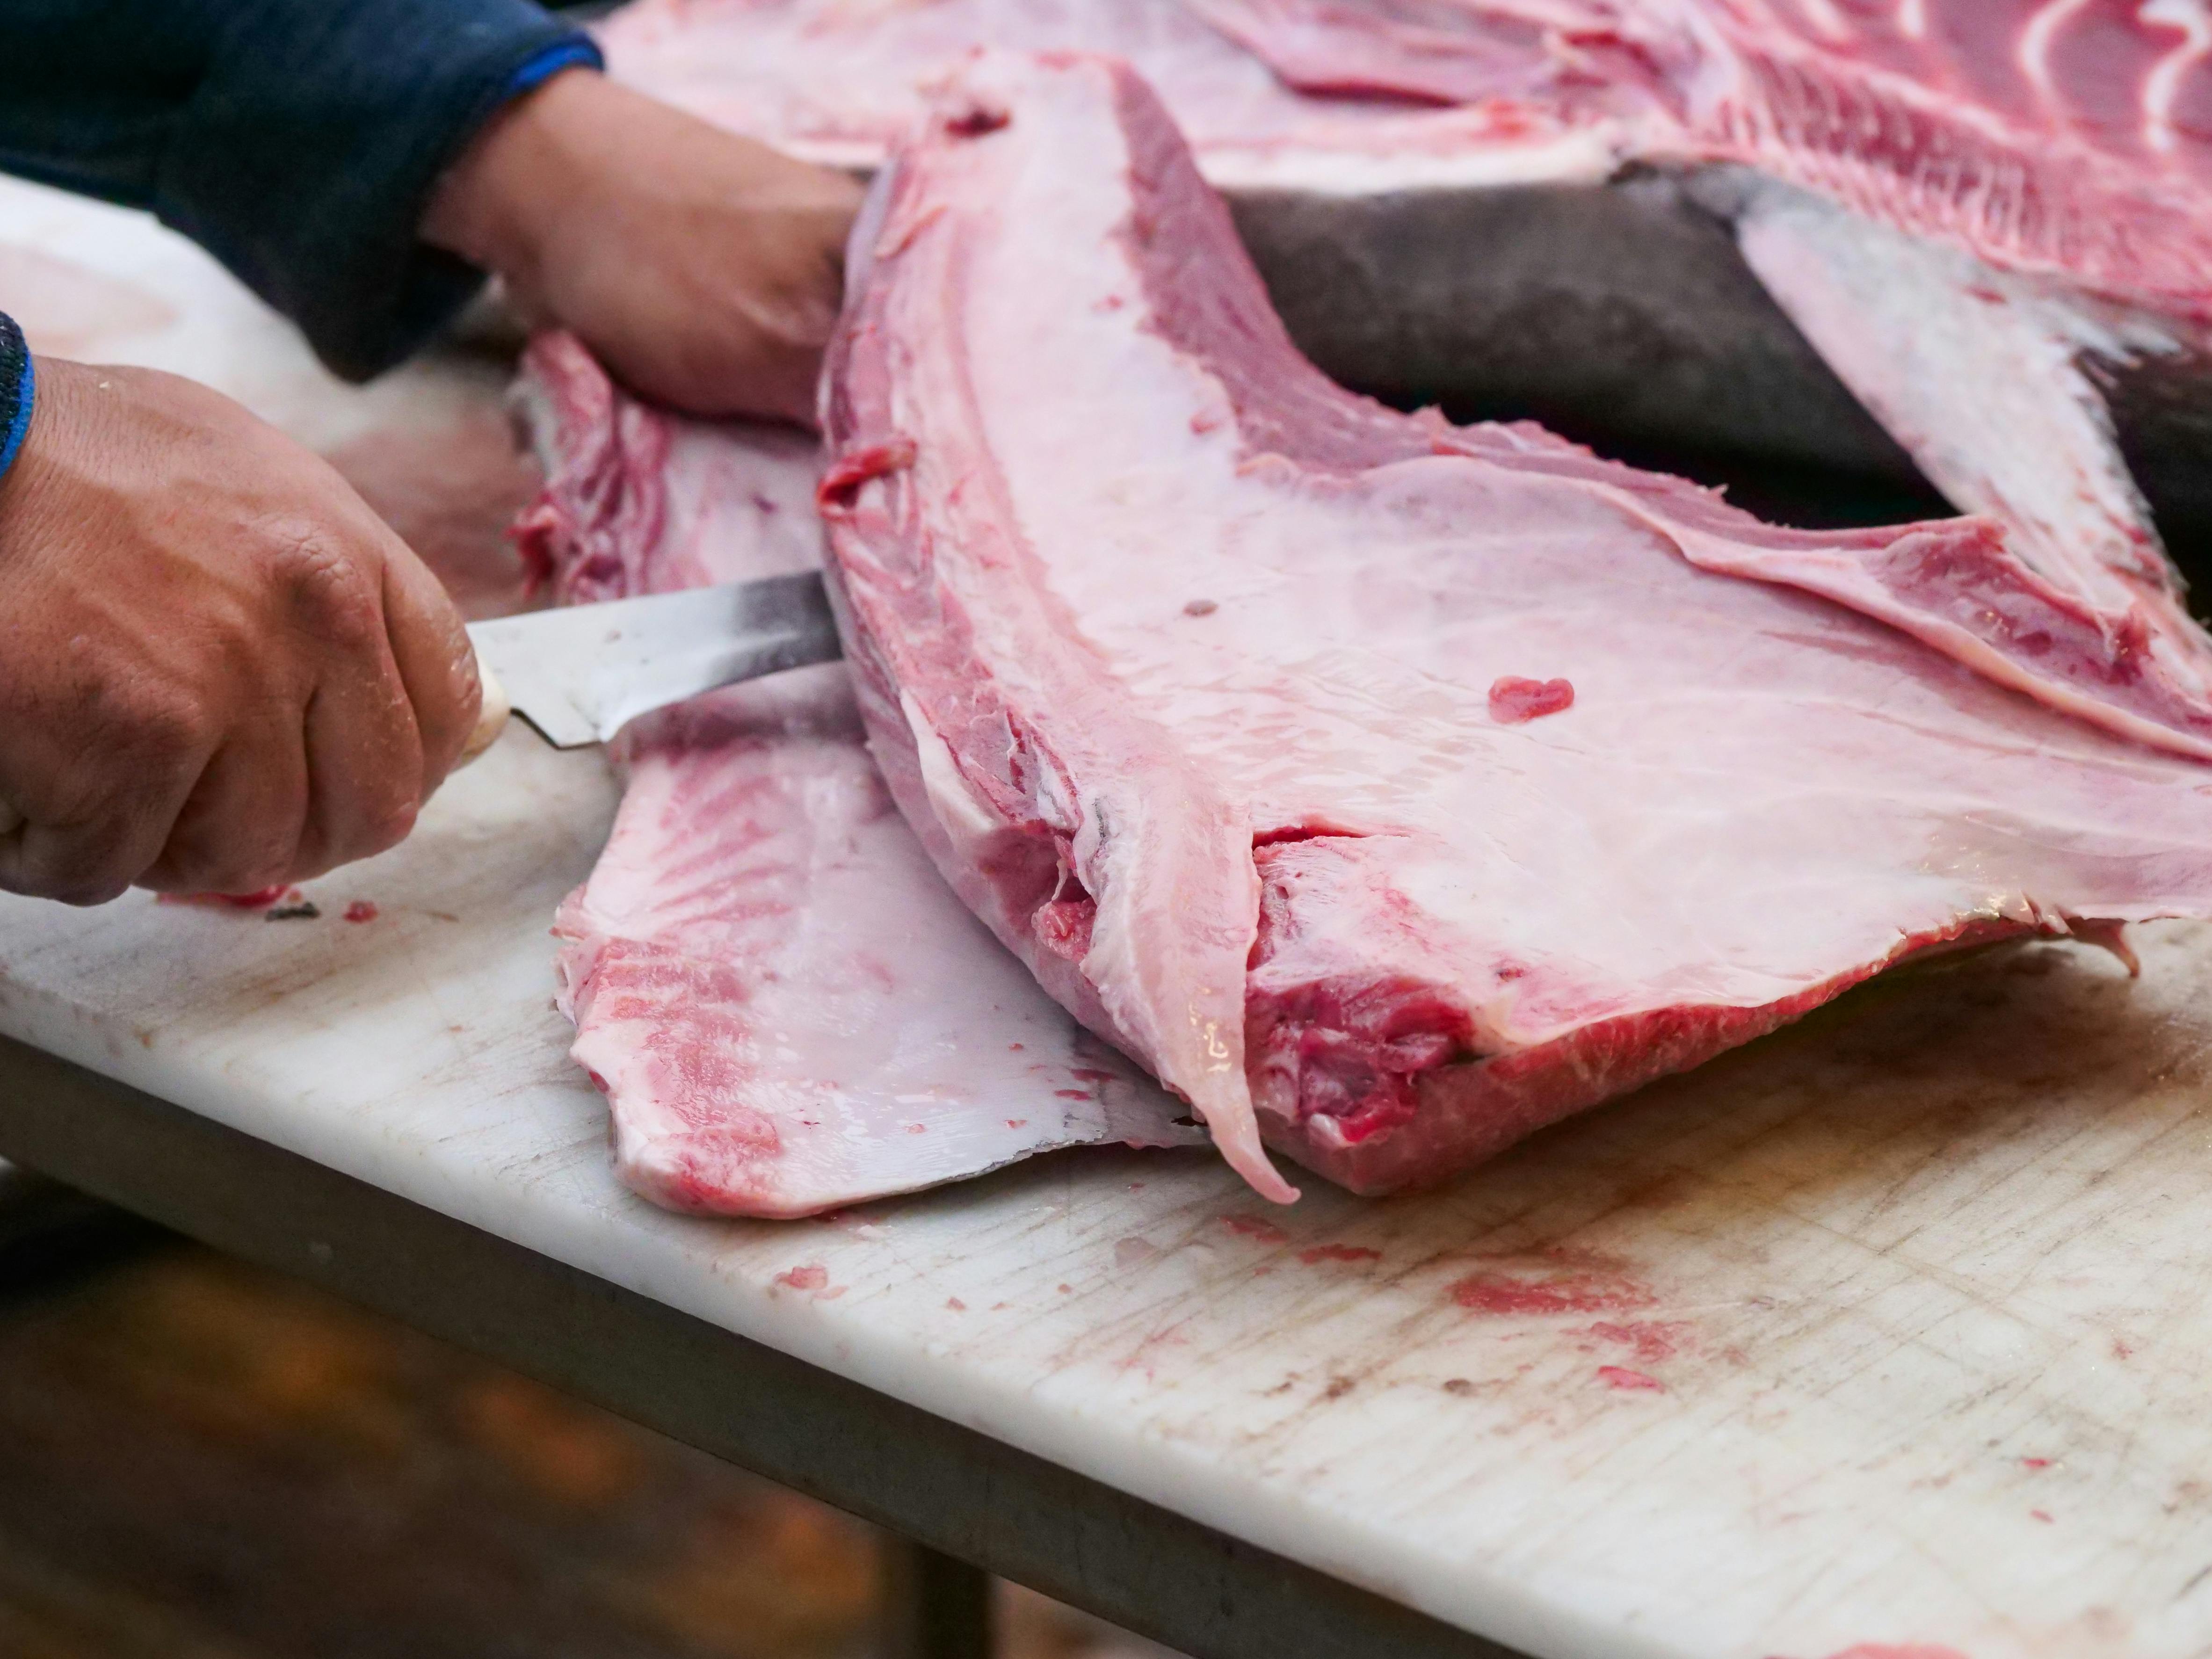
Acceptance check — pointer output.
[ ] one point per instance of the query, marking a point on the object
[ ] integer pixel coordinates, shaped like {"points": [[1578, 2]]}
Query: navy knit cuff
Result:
{"points": [[565, 55], [16, 385], [306, 157]]}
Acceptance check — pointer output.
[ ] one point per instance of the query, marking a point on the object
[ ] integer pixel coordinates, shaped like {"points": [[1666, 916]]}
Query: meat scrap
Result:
{"points": [[785, 1008], [1277, 846]]}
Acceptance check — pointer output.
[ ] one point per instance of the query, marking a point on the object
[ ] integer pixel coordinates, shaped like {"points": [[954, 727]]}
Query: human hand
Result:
{"points": [[703, 269], [219, 671]]}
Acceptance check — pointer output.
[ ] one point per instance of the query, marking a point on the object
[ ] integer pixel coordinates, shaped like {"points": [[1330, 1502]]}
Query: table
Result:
{"points": [[1883, 1338]]}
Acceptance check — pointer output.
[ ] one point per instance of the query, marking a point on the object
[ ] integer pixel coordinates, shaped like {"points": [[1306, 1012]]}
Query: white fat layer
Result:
{"points": [[1164, 855], [966, 820]]}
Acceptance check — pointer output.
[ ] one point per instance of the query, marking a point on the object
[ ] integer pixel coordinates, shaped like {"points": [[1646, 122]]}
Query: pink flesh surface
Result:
{"points": [[2072, 137], [2014, 141], [1179, 657], [2059, 138], [787, 1008], [840, 82]]}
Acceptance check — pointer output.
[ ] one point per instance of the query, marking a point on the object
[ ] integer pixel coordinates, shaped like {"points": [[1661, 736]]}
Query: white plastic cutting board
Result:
{"points": [[1887, 1337]]}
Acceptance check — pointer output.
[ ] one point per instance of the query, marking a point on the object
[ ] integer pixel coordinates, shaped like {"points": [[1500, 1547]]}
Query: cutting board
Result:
{"points": [[1885, 1337]]}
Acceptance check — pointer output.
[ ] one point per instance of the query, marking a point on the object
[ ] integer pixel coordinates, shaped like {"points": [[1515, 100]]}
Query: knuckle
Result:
{"points": [[328, 590], [77, 870], [386, 827], [376, 818], [90, 891], [159, 727]]}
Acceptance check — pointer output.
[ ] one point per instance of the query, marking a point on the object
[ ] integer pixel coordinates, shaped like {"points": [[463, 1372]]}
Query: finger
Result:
{"points": [[437, 664], [364, 760], [240, 829], [92, 854], [364, 766]]}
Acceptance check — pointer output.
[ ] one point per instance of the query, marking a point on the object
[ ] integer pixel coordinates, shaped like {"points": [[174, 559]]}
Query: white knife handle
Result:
{"points": [[492, 718], [491, 721]]}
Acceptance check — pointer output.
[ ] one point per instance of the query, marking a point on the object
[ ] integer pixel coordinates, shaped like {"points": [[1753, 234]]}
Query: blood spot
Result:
{"points": [[361, 910], [978, 120], [1619, 1377], [1556, 1284], [812, 1276], [1514, 701], [1652, 1342], [1255, 1228]]}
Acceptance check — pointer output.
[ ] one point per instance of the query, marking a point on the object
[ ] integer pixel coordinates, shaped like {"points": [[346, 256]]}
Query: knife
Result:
{"points": [[580, 673]]}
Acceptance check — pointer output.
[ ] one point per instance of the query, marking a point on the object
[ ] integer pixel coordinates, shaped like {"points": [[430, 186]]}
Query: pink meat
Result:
{"points": [[2060, 138], [840, 83], [1182, 659], [2071, 138], [785, 1007]]}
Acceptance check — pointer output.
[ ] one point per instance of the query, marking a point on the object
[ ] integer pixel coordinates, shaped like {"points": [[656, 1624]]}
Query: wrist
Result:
{"points": [[497, 204]]}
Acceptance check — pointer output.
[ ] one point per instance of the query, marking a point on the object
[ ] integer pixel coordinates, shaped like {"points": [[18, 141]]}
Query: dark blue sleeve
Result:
{"points": [[297, 139]]}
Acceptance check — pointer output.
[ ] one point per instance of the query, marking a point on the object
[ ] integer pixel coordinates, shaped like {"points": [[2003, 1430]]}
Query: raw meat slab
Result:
{"points": [[1994, 195], [1505, 265], [1626, 308], [785, 1007], [2046, 136], [1392, 788]]}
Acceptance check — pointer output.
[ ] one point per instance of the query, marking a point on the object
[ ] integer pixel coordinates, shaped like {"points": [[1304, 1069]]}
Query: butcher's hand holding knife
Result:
{"points": [[219, 670]]}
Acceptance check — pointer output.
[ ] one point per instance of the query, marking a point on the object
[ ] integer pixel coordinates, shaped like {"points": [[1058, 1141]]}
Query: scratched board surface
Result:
{"points": [[1883, 1338]]}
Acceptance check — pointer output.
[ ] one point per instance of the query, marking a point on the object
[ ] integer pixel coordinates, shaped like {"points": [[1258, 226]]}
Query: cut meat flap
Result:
{"points": [[1392, 788], [2055, 139], [839, 83], [785, 1007], [2050, 139], [2048, 135]]}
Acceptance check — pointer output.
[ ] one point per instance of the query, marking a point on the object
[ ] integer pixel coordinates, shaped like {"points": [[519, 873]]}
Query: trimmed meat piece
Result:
{"points": [[1181, 659], [785, 1007]]}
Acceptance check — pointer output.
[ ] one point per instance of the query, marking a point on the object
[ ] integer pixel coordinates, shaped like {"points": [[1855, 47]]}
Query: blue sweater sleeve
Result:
{"points": [[16, 384], [297, 139]]}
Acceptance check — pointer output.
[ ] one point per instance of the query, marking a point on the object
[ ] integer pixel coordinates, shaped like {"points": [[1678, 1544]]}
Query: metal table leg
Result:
{"points": [[934, 1605]]}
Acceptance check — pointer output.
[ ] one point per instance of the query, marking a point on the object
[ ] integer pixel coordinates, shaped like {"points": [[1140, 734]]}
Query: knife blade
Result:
{"points": [[579, 674]]}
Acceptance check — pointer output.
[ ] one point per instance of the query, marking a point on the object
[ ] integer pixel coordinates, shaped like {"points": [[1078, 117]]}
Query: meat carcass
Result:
{"points": [[784, 1006], [1477, 238], [838, 83], [2059, 137], [2039, 139], [1392, 788]]}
